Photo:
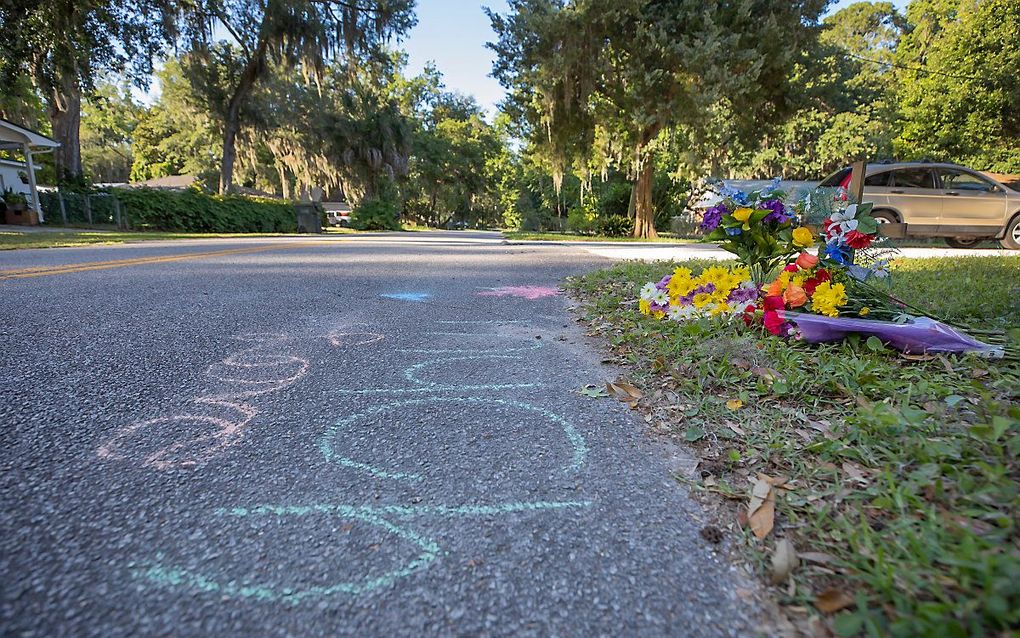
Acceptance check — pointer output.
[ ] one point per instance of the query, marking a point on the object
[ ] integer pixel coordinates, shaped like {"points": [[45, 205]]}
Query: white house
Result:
{"points": [[20, 176]]}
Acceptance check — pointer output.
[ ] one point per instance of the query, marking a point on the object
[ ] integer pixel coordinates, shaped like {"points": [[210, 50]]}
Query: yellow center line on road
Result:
{"points": [[42, 271]]}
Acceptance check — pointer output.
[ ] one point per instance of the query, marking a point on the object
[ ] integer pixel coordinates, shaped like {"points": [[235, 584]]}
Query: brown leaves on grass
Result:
{"points": [[832, 600], [624, 391], [761, 510], [784, 561]]}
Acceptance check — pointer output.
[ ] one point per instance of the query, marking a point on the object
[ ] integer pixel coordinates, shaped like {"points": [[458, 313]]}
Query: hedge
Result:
{"points": [[196, 212]]}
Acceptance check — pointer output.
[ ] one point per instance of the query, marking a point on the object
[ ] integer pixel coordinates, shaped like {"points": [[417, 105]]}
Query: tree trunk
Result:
{"points": [[65, 117], [232, 119], [284, 181], [644, 211]]}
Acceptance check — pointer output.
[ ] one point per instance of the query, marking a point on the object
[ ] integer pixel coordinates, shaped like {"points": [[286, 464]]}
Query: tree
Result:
{"points": [[287, 33], [109, 118], [67, 45], [619, 72], [960, 94], [175, 136]]}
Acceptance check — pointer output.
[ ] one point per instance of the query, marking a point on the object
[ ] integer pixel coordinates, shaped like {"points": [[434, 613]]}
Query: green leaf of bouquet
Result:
{"points": [[874, 344], [867, 225], [864, 209], [759, 214]]}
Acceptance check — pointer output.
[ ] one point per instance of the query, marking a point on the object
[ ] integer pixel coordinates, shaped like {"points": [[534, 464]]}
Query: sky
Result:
{"points": [[453, 33]]}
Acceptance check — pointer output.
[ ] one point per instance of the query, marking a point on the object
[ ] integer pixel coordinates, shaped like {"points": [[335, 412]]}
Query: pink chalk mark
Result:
{"points": [[525, 292]]}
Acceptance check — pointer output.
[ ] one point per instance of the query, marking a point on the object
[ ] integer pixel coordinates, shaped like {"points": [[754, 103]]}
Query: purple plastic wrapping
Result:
{"points": [[918, 336]]}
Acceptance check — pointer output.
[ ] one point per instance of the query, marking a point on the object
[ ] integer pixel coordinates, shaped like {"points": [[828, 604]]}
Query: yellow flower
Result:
{"points": [[802, 237], [719, 309], [701, 300], [742, 215], [645, 307], [828, 298], [680, 284], [864, 311]]}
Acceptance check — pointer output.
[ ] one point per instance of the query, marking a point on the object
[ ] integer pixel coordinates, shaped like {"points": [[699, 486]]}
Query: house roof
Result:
{"points": [[13, 136]]}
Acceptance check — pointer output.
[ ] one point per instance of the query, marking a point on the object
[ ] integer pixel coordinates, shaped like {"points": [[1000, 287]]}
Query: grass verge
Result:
{"points": [[520, 235], [56, 239], [895, 479]]}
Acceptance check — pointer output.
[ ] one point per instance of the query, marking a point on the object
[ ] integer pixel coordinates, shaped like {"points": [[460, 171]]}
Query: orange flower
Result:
{"points": [[807, 261], [795, 296]]}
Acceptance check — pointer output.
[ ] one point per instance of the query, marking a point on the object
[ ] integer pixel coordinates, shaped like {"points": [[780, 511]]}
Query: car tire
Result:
{"points": [[963, 242], [885, 217], [1011, 240]]}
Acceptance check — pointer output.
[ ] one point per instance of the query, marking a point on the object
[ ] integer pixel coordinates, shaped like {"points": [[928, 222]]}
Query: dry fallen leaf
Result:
{"points": [[736, 428], [624, 391], [768, 375], [734, 404], [832, 600], [784, 561], [761, 511], [855, 471]]}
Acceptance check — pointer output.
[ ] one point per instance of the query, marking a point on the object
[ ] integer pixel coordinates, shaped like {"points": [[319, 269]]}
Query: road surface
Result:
{"points": [[353, 436]]}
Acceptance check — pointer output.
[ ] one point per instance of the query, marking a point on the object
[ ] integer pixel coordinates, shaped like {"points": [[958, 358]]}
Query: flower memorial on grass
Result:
{"points": [[791, 292]]}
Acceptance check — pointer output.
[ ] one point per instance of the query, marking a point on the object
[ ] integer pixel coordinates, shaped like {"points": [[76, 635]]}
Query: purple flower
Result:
{"points": [[712, 217], [657, 308], [664, 282], [708, 288], [778, 213], [743, 294]]}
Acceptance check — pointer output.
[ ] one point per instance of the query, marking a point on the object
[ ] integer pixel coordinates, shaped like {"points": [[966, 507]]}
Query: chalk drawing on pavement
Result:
{"points": [[524, 292], [334, 451], [167, 575], [249, 373], [339, 337], [417, 297]]}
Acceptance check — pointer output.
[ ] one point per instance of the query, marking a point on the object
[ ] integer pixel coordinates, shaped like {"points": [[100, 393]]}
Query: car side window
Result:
{"points": [[964, 181], [878, 179], [913, 178]]}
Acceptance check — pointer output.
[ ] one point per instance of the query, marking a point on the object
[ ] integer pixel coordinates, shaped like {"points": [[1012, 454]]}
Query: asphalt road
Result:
{"points": [[359, 436]]}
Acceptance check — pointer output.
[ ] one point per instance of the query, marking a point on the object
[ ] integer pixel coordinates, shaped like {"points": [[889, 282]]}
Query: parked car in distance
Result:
{"points": [[337, 213], [933, 199]]}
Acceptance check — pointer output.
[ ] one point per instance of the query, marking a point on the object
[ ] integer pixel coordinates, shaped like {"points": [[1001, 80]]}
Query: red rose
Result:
{"points": [[749, 311], [810, 285], [856, 239], [822, 275], [774, 322], [774, 302], [790, 268]]}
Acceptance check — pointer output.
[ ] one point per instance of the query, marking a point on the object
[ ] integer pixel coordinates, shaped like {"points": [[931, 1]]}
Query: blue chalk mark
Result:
{"points": [[410, 373], [418, 297], [170, 576], [401, 511], [485, 322], [579, 449]]}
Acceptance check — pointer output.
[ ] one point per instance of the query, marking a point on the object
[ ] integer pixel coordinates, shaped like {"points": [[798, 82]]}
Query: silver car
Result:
{"points": [[931, 199]]}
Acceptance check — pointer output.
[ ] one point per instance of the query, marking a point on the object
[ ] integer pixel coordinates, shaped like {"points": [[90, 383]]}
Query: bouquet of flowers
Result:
{"points": [[805, 285], [758, 228], [715, 292]]}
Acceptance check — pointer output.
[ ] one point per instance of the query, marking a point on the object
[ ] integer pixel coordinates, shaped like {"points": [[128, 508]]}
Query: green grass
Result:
{"points": [[11, 240], [520, 235], [905, 473]]}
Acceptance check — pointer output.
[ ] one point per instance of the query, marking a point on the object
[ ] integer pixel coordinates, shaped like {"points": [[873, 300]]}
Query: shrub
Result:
{"points": [[198, 212], [375, 214], [581, 219], [615, 226]]}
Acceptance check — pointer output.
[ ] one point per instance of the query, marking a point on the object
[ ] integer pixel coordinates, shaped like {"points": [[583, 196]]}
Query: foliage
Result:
{"points": [[963, 101], [916, 538], [375, 213], [614, 226], [109, 118], [289, 34], [195, 211], [606, 78], [174, 136]]}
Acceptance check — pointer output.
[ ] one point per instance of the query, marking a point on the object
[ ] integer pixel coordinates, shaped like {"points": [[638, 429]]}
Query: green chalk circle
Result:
{"points": [[170, 576], [579, 449]]}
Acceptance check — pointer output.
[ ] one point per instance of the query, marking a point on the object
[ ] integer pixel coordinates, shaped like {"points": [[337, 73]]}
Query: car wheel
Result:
{"points": [[963, 242], [1011, 240], [885, 217]]}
